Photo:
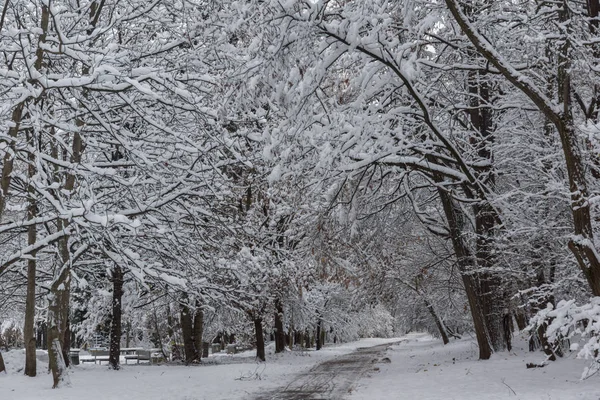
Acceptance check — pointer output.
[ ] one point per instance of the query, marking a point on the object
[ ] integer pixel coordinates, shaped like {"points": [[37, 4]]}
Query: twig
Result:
{"points": [[511, 389]]}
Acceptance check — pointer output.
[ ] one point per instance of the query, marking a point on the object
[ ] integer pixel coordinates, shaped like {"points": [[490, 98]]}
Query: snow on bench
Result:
{"points": [[144, 355], [95, 355]]}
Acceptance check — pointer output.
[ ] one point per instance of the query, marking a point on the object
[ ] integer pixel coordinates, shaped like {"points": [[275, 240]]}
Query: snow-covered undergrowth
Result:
{"points": [[224, 377], [579, 324], [423, 368], [14, 361]]}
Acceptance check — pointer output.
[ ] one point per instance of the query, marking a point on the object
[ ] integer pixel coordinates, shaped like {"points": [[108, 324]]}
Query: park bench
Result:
{"points": [[95, 356], [139, 355]]}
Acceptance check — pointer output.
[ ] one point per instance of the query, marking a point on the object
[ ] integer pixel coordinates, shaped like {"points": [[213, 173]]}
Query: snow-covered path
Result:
{"points": [[330, 380]]}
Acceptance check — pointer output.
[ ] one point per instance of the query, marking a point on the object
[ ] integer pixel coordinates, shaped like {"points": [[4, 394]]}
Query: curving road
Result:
{"points": [[330, 380]]}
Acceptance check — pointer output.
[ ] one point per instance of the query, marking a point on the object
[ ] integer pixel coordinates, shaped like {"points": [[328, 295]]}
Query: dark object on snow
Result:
{"points": [[533, 365]]}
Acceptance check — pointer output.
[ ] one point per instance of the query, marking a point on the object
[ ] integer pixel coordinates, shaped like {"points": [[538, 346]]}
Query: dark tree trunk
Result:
{"points": [[438, 322], [455, 220], [115, 324], [187, 331], [260, 339], [66, 343], [279, 333], [490, 285], [2, 366], [58, 314], [318, 336], [28, 329], [198, 331]]}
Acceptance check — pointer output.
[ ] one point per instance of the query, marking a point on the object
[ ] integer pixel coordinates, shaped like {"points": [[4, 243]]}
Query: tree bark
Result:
{"points": [[28, 329], [490, 285], [187, 331], [58, 313], [66, 342], [279, 333], [116, 318], [198, 331], [455, 220], [2, 366], [318, 335], [260, 340]]}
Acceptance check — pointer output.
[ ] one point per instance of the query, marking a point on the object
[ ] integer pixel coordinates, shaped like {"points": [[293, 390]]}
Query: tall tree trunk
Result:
{"points": [[58, 311], [198, 331], [455, 218], [318, 335], [187, 331], [279, 333], [28, 329], [490, 285], [260, 339], [116, 318]]}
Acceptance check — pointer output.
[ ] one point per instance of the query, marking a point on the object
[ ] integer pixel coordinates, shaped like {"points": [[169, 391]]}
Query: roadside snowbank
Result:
{"points": [[423, 368]]}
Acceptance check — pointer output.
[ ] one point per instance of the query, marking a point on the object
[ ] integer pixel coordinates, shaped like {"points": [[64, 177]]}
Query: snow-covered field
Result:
{"points": [[224, 377], [420, 368], [423, 368]]}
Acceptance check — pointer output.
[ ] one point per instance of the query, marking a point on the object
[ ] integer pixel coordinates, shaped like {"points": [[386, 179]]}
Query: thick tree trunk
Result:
{"points": [[187, 331], [260, 340], [58, 310], [490, 285], [66, 343], [116, 317], [465, 264], [198, 331], [279, 333], [58, 313], [58, 367]]}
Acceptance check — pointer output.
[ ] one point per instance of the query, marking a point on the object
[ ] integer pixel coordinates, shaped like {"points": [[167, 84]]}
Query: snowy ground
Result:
{"points": [[225, 377], [422, 368]]}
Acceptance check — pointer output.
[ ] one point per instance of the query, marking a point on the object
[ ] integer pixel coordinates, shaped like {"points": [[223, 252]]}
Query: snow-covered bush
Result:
{"points": [[576, 323], [11, 334]]}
